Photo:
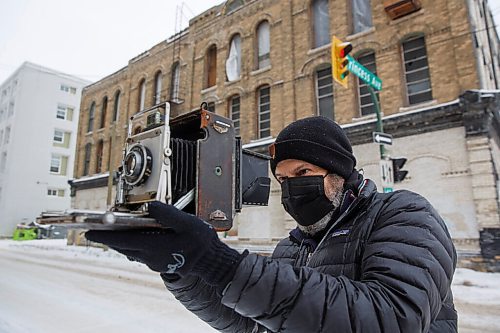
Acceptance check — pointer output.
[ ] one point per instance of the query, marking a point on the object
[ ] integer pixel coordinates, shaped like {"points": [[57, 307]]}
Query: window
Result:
{"points": [[418, 83], [233, 5], [321, 23], [263, 45], [157, 95], [211, 67], [104, 111], [361, 15], [234, 113], [86, 161], [90, 125], [365, 101], [116, 105], [7, 134], [233, 61], [68, 89], [324, 92], [58, 136], [99, 151], [264, 129], [142, 95], [55, 164], [52, 192], [64, 112], [3, 162], [175, 82], [11, 108]]}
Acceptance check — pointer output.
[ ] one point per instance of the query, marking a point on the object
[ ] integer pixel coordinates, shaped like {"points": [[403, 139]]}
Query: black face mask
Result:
{"points": [[304, 199]]}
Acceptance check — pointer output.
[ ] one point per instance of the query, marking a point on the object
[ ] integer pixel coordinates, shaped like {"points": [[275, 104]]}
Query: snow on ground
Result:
{"points": [[46, 286]]}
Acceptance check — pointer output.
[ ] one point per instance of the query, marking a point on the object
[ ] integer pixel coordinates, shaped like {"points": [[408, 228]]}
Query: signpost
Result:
{"points": [[364, 74], [382, 138]]}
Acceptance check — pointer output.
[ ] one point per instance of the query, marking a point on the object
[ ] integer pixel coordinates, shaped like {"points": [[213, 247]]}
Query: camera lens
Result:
{"points": [[137, 165]]}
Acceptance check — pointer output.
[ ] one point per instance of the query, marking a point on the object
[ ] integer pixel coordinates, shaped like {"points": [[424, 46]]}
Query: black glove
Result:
{"points": [[187, 245]]}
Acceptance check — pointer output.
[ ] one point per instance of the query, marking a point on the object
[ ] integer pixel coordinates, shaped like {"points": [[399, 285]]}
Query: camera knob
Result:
{"points": [[167, 152]]}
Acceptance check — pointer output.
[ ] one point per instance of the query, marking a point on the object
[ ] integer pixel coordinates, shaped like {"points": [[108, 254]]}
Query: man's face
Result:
{"points": [[297, 168]]}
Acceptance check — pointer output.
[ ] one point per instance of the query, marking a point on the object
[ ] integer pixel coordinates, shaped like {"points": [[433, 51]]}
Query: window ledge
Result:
{"points": [[418, 106], [89, 133], [319, 49], [210, 89], [361, 34], [228, 83], [365, 118], [260, 70]]}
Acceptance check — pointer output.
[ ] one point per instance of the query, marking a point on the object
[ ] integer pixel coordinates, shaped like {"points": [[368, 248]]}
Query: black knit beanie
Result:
{"points": [[317, 140]]}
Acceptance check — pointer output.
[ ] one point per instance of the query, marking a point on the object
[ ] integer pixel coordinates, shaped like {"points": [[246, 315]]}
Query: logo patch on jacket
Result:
{"points": [[342, 232]]}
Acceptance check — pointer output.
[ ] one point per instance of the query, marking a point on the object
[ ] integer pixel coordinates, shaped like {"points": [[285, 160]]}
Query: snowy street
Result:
{"points": [[46, 286]]}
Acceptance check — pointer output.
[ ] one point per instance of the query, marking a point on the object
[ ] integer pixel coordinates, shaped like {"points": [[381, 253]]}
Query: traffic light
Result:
{"points": [[397, 164], [340, 50]]}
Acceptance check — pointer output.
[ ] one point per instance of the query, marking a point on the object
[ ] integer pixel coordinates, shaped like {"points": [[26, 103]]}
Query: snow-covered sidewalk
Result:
{"points": [[46, 286]]}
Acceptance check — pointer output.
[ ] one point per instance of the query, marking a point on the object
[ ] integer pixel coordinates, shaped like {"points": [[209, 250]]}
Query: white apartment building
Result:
{"points": [[39, 110]]}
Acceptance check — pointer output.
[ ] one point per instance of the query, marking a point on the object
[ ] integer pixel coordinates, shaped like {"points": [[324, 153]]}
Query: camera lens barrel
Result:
{"points": [[137, 165]]}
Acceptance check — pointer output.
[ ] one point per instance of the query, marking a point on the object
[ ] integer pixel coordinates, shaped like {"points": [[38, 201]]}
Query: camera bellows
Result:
{"points": [[183, 162]]}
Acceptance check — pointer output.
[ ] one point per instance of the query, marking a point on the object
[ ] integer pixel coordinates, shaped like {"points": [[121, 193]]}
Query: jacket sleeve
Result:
{"points": [[204, 301], [407, 267]]}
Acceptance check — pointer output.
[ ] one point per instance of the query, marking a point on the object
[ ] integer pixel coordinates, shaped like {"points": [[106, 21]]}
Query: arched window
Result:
{"points": [[211, 67], [234, 112], [233, 61], [86, 159], [264, 103], [263, 45], [175, 82], [157, 95], [116, 106], [361, 15], [324, 92], [142, 95], [104, 110], [365, 101], [90, 125], [418, 80], [99, 151], [320, 23]]}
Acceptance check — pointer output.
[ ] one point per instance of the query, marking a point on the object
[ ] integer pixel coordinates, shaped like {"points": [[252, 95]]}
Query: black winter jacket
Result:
{"points": [[386, 265]]}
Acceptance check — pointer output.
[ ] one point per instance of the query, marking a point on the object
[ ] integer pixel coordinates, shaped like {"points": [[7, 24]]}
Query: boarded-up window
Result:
{"points": [[324, 92], [211, 67], [99, 151], [104, 111], [320, 23], [142, 95]]}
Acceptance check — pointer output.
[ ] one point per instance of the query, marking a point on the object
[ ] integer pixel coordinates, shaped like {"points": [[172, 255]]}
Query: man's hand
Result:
{"points": [[187, 245]]}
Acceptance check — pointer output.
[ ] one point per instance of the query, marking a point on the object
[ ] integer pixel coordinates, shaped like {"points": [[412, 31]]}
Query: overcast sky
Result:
{"points": [[93, 38]]}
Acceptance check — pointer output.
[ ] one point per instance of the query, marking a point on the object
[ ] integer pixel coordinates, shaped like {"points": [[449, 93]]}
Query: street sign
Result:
{"points": [[386, 174], [364, 74], [382, 138]]}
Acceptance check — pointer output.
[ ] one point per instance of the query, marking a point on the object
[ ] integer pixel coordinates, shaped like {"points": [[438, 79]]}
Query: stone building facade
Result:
{"points": [[266, 63]]}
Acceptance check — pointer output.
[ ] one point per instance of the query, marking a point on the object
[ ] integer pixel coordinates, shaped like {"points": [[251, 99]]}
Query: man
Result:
{"points": [[359, 260]]}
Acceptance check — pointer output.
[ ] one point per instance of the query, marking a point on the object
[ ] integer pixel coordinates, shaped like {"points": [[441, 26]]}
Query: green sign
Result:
{"points": [[364, 74]]}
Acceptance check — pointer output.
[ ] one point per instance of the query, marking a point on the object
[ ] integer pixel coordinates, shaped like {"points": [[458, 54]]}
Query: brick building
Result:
{"points": [[265, 63]]}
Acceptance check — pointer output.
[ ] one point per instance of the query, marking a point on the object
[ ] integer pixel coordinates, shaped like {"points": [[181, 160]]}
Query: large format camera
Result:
{"points": [[193, 161]]}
